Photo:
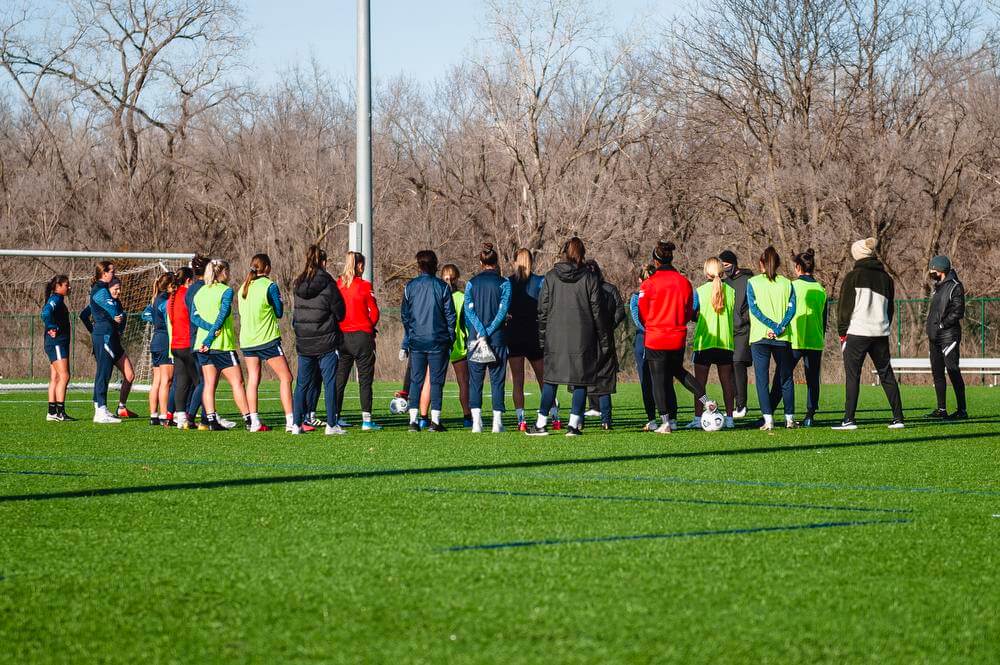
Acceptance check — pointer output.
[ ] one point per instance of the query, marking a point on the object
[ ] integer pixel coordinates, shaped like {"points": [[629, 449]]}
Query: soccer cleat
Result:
{"points": [[556, 424], [156, 422], [104, 417], [845, 426], [66, 418], [259, 428], [498, 428], [216, 426], [423, 423], [573, 431], [335, 430], [651, 426], [664, 428], [958, 415], [896, 424], [522, 426], [606, 427], [370, 426], [313, 423], [343, 423], [937, 414], [592, 413], [414, 428], [467, 422], [294, 429], [228, 424], [124, 413], [436, 427], [740, 413], [534, 430], [767, 427], [694, 424], [53, 417], [807, 422], [728, 423]]}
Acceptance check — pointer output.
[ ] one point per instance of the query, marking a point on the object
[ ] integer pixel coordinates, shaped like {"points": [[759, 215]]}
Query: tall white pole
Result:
{"points": [[361, 238]]}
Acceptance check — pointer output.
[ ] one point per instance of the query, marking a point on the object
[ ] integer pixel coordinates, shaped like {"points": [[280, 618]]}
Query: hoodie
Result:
{"points": [[867, 301], [947, 310]]}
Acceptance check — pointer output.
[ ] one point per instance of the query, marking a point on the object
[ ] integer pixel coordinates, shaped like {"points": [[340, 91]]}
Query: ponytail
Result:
{"points": [[50, 286], [217, 270], [523, 263], [315, 258], [354, 263], [713, 270], [99, 270], [161, 284], [260, 265], [770, 262]]}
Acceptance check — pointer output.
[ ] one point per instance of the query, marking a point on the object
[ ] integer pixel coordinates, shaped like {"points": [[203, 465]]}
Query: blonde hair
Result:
{"points": [[713, 270], [523, 264], [449, 273], [217, 270], [354, 265]]}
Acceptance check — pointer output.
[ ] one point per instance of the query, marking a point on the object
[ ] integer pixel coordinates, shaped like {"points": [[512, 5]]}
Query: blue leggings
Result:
{"points": [[549, 399], [420, 361], [498, 380], [762, 352], [311, 368], [104, 354]]}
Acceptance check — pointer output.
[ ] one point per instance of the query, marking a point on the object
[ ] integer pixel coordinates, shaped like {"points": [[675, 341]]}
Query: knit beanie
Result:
{"points": [[863, 249], [941, 264]]}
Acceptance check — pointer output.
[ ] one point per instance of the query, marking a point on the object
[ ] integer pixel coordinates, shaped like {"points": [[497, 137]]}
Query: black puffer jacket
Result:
{"points": [[571, 328], [613, 311], [319, 309], [741, 313], [946, 311]]}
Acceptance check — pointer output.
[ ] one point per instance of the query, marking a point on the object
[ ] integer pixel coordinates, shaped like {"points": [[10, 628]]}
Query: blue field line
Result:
{"points": [[666, 536], [44, 473], [776, 484], [643, 499], [84, 459]]}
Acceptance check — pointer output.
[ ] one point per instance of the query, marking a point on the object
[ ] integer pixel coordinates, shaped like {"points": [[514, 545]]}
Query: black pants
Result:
{"points": [[945, 356], [876, 348], [185, 376], [664, 367], [740, 372], [359, 348]]}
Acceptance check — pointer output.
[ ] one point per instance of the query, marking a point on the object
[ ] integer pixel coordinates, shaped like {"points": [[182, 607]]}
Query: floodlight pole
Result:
{"points": [[361, 236]]}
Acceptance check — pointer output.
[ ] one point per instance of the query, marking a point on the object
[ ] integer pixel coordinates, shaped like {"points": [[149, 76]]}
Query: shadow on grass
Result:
{"points": [[465, 468]]}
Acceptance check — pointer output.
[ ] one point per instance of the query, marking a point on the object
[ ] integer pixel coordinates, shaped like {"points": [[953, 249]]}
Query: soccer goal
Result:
{"points": [[23, 276]]}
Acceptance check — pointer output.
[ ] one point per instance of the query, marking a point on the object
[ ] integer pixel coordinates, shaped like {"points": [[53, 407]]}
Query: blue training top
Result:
{"points": [[99, 314], [55, 316], [156, 314]]}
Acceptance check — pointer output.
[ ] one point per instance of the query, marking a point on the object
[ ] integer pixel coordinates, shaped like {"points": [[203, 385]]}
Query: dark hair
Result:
{"points": [[574, 251], [771, 262], [593, 267], [663, 253], [806, 261], [198, 265], [50, 287], [427, 261], [99, 270], [260, 265], [182, 275], [488, 256], [315, 258], [162, 284]]}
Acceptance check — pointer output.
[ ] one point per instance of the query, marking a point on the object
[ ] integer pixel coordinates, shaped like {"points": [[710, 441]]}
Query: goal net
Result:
{"points": [[23, 276]]}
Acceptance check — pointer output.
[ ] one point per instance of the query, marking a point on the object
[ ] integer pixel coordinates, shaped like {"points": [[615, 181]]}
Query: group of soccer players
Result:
{"points": [[562, 324]]}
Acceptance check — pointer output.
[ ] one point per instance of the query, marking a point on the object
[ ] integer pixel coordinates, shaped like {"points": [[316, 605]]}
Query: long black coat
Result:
{"points": [[571, 328], [319, 309], [613, 312], [741, 314]]}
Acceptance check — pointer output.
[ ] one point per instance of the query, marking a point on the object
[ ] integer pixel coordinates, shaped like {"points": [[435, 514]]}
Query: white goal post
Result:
{"points": [[23, 275]]}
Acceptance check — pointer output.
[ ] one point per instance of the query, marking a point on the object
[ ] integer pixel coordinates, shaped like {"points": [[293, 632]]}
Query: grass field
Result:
{"points": [[132, 544]]}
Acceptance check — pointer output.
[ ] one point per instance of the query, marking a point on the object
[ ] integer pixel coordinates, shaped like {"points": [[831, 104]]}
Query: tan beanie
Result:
{"points": [[863, 249]]}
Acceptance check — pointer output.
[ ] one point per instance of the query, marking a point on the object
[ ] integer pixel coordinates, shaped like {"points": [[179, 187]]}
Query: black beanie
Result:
{"points": [[727, 256]]}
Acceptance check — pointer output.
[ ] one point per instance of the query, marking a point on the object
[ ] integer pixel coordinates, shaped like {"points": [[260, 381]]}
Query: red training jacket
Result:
{"points": [[362, 310], [180, 320], [666, 304]]}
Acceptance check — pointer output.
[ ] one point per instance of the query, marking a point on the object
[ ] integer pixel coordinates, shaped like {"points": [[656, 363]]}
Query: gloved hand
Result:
{"points": [[403, 355]]}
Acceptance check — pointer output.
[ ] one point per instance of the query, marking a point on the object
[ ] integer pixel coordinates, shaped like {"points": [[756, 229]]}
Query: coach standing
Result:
{"points": [[737, 278], [944, 333]]}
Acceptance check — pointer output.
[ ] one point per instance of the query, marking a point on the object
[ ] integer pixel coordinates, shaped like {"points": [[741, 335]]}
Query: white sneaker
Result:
{"points": [[847, 425], [651, 426], [477, 425], [335, 430], [293, 429], [592, 413], [104, 417], [498, 428], [663, 429], [728, 423], [52, 417], [228, 424], [897, 424], [740, 413], [694, 424]]}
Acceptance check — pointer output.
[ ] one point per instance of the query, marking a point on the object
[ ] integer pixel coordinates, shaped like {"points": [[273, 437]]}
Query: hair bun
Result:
{"points": [[669, 246], [810, 252], [487, 247]]}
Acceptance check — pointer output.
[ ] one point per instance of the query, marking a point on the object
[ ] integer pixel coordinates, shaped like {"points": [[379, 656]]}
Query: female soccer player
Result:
{"points": [[521, 333], [808, 332], [713, 337], [572, 333], [666, 305], [487, 299], [55, 317], [613, 310], [105, 319], [772, 303], [260, 307], [641, 367], [186, 370], [319, 309], [459, 363], [360, 319], [159, 349], [216, 342]]}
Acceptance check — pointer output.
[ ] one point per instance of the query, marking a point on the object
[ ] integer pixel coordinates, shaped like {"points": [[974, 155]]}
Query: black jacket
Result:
{"points": [[867, 301], [741, 313], [613, 312], [319, 309], [571, 328], [946, 311]]}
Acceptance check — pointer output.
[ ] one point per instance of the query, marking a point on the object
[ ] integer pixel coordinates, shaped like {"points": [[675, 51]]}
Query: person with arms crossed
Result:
{"points": [[944, 334]]}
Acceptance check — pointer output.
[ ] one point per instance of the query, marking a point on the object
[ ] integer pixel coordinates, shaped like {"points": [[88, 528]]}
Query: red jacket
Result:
{"points": [[362, 310], [666, 305], [180, 320]]}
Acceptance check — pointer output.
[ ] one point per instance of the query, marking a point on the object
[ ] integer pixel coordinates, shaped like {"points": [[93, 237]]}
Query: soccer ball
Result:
{"points": [[398, 406], [712, 421]]}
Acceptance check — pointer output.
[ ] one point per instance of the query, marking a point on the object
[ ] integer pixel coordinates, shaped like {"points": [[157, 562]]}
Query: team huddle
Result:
{"points": [[562, 324]]}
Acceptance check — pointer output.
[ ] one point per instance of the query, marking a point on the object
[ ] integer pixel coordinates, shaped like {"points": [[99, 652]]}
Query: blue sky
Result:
{"points": [[418, 38]]}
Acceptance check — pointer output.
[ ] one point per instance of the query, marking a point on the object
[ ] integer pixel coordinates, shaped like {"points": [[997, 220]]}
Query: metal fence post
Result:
{"points": [[982, 328]]}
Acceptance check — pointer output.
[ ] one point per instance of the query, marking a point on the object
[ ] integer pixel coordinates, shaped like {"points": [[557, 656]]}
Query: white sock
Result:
{"points": [[436, 416], [255, 420], [520, 415], [789, 417], [121, 405], [497, 418], [413, 416], [665, 419], [366, 417], [154, 414], [289, 419], [768, 419], [574, 420], [542, 421]]}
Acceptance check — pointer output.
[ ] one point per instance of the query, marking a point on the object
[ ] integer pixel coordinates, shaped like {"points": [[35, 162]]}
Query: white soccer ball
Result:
{"points": [[398, 406], [712, 421]]}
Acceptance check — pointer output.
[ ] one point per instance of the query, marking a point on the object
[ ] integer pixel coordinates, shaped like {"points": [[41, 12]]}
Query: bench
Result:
{"points": [[989, 366]]}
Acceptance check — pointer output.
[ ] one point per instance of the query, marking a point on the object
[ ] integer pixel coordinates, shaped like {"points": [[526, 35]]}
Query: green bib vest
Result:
{"points": [[807, 324], [458, 350], [714, 330], [208, 302], [258, 323], [772, 300]]}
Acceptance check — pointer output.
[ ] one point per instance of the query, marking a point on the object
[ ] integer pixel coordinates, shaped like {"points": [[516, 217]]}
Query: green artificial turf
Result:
{"points": [[132, 544]]}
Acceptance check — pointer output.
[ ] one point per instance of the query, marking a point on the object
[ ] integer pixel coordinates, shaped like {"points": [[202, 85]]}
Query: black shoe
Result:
{"points": [[847, 425], [958, 415], [155, 422], [532, 430], [216, 426], [66, 418], [606, 427], [573, 431], [897, 423], [807, 422], [759, 423], [938, 414], [436, 427], [414, 428]]}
